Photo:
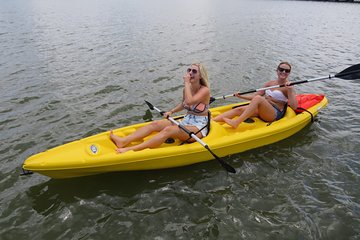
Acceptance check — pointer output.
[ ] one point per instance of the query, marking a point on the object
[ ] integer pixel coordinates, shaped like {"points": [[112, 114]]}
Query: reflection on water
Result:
{"points": [[73, 69]]}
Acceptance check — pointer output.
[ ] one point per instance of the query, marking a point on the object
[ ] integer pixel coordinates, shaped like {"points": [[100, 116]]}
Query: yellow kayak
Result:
{"points": [[96, 154]]}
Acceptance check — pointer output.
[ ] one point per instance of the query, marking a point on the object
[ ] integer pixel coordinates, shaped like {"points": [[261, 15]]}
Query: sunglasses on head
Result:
{"points": [[194, 71], [284, 70]]}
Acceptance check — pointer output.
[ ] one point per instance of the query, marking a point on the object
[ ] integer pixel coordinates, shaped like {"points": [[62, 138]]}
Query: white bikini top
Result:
{"points": [[276, 94]]}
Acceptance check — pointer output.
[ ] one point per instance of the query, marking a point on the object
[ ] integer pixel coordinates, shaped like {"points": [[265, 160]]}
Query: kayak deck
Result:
{"points": [[96, 154]]}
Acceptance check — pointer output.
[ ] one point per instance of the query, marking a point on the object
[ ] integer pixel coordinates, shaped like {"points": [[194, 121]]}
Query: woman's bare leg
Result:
{"points": [[158, 139], [155, 126], [258, 105], [230, 114]]}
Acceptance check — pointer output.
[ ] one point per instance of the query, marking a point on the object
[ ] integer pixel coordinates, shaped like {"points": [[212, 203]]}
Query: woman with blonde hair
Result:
{"points": [[196, 99]]}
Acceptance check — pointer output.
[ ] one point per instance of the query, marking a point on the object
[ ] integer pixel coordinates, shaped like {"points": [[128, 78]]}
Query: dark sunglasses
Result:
{"points": [[194, 71], [284, 70]]}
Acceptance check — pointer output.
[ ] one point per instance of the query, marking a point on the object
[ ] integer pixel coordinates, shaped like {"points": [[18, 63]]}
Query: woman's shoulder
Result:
{"points": [[204, 89], [270, 83]]}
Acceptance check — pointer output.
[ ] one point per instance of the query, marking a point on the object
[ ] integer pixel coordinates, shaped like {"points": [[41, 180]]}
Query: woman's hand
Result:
{"points": [[246, 97], [187, 78], [167, 114], [237, 94], [288, 86], [291, 95]]}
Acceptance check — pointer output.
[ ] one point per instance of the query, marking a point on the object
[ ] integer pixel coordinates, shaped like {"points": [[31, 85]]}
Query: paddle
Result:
{"points": [[350, 73], [226, 166]]}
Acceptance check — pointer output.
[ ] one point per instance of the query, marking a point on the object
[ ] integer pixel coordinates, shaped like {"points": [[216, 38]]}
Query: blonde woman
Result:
{"points": [[196, 98]]}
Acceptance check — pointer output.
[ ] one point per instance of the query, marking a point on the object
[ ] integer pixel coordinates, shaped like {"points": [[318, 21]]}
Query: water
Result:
{"points": [[71, 69]]}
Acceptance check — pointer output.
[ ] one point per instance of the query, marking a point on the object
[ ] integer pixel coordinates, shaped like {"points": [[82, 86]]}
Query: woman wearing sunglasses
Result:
{"points": [[196, 98], [269, 105]]}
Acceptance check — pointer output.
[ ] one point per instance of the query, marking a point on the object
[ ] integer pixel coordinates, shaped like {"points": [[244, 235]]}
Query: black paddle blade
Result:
{"points": [[212, 99], [149, 105], [350, 73], [227, 166]]}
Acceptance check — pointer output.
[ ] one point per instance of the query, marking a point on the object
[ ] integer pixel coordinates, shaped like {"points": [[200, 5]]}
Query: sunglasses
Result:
{"points": [[194, 71], [284, 70]]}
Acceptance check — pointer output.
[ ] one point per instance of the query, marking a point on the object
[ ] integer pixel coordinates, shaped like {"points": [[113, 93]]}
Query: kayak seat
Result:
{"points": [[249, 120], [169, 140]]}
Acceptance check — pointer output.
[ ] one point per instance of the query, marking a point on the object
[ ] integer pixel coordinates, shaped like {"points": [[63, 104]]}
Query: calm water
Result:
{"points": [[71, 69]]}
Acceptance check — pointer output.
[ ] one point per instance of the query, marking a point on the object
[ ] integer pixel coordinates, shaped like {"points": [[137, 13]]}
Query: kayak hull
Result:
{"points": [[96, 154]]}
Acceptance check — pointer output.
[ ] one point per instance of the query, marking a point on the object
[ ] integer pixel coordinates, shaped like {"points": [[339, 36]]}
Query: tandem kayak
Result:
{"points": [[96, 154]]}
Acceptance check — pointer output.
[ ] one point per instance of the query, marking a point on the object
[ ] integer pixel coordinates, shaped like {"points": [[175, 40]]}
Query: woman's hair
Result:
{"points": [[204, 80], [286, 63]]}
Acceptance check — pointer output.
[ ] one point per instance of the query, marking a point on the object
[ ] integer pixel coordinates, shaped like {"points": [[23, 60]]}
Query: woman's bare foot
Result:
{"points": [[218, 119], [231, 122], [119, 142], [122, 150]]}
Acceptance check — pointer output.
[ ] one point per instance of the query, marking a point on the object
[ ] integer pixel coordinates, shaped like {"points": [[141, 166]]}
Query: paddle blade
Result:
{"points": [[227, 166], [212, 99], [149, 105], [350, 73]]}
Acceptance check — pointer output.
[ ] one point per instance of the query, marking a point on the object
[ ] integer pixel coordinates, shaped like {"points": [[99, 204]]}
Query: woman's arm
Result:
{"points": [[291, 95], [261, 92], [247, 96], [203, 95], [177, 108], [250, 96]]}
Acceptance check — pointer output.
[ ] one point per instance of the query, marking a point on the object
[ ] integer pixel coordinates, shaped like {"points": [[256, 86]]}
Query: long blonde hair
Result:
{"points": [[204, 80]]}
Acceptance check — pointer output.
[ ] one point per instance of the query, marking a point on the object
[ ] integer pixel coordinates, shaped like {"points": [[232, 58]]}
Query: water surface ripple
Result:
{"points": [[71, 69]]}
